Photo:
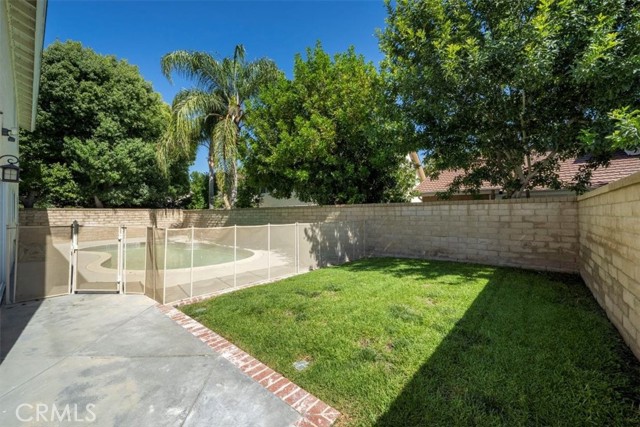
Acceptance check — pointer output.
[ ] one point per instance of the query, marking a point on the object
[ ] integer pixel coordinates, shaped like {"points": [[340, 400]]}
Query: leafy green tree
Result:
{"points": [[212, 113], [249, 196], [97, 127], [626, 133], [506, 89], [330, 135], [58, 185], [199, 185]]}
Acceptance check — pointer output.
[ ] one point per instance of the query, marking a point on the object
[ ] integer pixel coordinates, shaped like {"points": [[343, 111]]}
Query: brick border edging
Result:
{"points": [[315, 413]]}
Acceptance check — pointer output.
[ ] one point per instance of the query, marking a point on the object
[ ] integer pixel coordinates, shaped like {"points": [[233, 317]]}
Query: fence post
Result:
{"points": [[73, 259], [15, 264], [124, 259], [347, 225], [146, 254], [119, 262], [296, 248], [6, 268], [7, 276], [191, 271], [364, 238], [319, 238], [164, 271], [269, 251], [354, 241], [153, 257], [235, 254]]}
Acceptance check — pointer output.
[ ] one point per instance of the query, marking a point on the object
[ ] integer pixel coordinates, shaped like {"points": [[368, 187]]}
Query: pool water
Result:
{"points": [[179, 255]]}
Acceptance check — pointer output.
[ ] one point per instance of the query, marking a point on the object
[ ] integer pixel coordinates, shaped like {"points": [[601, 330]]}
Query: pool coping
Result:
{"points": [[95, 266], [314, 412]]}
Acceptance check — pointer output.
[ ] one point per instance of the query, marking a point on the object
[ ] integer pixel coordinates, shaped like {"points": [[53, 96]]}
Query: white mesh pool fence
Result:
{"points": [[170, 265]]}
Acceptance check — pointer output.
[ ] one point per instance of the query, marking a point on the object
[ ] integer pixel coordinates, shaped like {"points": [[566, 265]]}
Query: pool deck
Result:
{"points": [[120, 361]]}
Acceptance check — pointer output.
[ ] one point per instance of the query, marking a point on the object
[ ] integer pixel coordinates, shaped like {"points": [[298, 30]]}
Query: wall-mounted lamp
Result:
{"points": [[10, 172], [9, 133]]}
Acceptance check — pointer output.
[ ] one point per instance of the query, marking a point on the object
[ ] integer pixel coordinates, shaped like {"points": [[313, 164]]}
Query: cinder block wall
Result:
{"points": [[535, 233], [598, 235], [102, 217], [609, 219]]}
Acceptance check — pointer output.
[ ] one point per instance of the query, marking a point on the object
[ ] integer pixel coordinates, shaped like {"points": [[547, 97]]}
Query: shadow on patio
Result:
{"points": [[42, 270]]}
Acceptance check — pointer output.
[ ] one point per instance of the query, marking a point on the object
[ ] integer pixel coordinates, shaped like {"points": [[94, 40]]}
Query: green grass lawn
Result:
{"points": [[398, 342]]}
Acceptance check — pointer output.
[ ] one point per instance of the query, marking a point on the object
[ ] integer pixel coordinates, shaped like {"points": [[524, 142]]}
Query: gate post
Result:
{"points": [[296, 248], [73, 257], [123, 259], [10, 285], [164, 271], [191, 270], [119, 262]]}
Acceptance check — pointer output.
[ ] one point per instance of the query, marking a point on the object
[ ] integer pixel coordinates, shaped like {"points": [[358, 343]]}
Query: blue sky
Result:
{"points": [[142, 31]]}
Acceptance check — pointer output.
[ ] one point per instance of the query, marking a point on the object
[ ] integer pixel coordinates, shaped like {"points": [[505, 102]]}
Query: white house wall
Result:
{"points": [[22, 24], [9, 120]]}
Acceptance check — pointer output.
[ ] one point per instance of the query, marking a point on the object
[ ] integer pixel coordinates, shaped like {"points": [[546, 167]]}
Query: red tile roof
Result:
{"points": [[621, 165], [443, 182]]}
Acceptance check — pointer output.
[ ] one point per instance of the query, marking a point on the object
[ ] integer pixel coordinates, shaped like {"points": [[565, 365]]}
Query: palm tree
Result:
{"points": [[213, 111]]}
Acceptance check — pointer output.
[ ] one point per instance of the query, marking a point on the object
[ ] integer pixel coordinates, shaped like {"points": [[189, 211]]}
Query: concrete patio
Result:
{"points": [[118, 361]]}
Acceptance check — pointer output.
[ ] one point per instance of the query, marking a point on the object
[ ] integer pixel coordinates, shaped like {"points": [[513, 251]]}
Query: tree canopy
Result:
{"points": [[329, 135], [199, 186], [213, 111], [504, 89], [98, 123]]}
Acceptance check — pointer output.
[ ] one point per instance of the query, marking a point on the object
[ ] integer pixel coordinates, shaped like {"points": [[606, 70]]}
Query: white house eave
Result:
{"points": [[26, 19], [41, 18]]}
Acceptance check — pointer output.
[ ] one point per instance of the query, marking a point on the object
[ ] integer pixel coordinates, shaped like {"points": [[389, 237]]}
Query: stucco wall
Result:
{"points": [[609, 219]]}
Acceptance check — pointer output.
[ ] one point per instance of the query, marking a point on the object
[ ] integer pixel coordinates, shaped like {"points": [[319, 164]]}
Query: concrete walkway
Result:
{"points": [[115, 360]]}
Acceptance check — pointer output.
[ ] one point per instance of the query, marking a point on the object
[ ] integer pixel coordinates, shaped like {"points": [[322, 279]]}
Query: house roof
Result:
{"points": [[26, 19], [621, 165], [443, 181]]}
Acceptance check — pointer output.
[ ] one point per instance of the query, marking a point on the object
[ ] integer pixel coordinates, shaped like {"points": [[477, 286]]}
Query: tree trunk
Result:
{"points": [[212, 180], [29, 200], [415, 159], [98, 202], [227, 201], [228, 191], [234, 184]]}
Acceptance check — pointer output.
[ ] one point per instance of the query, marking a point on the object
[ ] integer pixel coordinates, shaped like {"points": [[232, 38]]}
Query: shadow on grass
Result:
{"points": [[424, 269], [532, 349]]}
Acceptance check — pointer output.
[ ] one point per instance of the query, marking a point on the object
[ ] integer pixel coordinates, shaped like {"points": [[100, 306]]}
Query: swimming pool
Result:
{"points": [[179, 255]]}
